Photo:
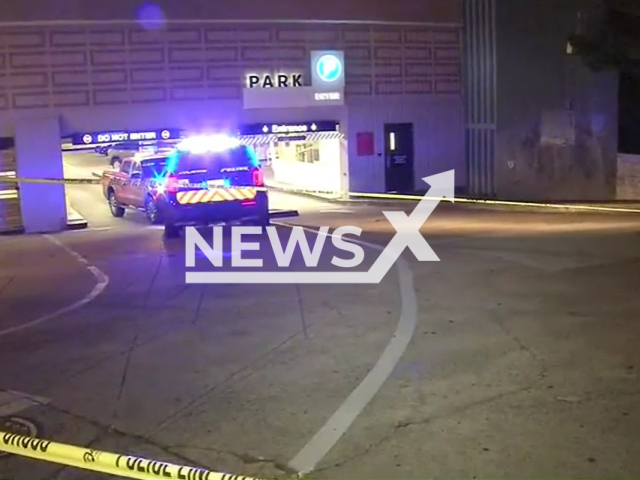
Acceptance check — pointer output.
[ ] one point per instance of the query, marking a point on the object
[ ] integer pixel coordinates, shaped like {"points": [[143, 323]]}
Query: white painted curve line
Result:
{"points": [[322, 442], [102, 281]]}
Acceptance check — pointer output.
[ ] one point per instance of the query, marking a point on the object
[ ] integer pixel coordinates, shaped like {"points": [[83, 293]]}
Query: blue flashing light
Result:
{"points": [[172, 162], [254, 158], [211, 143]]}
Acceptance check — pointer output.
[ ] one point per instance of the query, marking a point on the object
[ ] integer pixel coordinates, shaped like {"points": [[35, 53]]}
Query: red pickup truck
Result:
{"points": [[183, 188]]}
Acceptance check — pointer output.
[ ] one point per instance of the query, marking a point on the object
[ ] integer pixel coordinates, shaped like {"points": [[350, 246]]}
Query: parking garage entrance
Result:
{"points": [[86, 155], [308, 156]]}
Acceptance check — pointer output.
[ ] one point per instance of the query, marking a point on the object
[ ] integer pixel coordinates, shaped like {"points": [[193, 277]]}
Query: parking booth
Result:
{"points": [[303, 155], [10, 213]]}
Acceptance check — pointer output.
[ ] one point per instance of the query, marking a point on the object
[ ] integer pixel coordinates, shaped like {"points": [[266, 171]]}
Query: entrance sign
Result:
{"points": [[289, 128], [280, 128]]}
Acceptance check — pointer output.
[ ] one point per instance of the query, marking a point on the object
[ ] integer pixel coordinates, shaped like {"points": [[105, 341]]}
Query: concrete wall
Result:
{"points": [[438, 130], [383, 10], [66, 69], [557, 121], [628, 177]]}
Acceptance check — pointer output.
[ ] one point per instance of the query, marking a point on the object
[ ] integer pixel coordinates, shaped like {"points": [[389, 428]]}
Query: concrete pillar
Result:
{"points": [[38, 155]]}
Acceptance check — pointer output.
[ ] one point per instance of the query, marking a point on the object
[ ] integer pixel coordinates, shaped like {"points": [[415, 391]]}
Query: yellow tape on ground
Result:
{"points": [[506, 203], [324, 193], [104, 462]]}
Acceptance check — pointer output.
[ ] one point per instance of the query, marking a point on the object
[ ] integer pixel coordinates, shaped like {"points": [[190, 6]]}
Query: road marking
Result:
{"points": [[101, 284], [324, 440], [14, 402]]}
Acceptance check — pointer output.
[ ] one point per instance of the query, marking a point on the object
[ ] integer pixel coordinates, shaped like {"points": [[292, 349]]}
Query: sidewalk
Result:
{"points": [[614, 206], [287, 188]]}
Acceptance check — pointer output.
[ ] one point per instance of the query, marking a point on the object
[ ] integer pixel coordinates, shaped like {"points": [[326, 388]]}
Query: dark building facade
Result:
{"points": [[540, 125]]}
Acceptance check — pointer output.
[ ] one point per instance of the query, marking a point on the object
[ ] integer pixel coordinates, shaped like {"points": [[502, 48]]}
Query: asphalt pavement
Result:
{"points": [[515, 356]]}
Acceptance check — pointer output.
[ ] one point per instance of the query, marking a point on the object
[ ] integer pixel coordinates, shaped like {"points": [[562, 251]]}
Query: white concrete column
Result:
{"points": [[344, 169], [38, 155]]}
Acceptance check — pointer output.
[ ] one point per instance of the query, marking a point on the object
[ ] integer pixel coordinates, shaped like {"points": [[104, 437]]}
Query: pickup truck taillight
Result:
{"points": [[258, 177], [172, 184]]}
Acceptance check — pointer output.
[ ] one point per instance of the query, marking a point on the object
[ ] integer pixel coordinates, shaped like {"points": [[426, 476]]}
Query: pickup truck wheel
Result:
{"points": [[171, 231], [152, 211], [116, 209]]}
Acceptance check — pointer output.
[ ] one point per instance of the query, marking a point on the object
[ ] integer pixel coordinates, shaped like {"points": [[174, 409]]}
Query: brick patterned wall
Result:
{"points": [[67, 67]]}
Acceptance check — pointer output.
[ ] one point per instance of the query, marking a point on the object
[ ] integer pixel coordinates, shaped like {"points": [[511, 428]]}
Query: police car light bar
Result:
{"points": [[211, 143]]}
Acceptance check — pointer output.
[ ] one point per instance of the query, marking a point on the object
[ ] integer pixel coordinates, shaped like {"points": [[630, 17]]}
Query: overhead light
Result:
{"points": [[211, 143]]}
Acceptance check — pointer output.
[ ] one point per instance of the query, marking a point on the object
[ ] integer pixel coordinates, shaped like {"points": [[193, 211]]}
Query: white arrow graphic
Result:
{"points": [[265, 129], [408, 235], [314, 127]]}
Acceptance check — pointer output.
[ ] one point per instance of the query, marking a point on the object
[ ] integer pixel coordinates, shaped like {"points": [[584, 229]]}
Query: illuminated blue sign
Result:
{"points": [[329, 68], [291, 128], [96, 138]]}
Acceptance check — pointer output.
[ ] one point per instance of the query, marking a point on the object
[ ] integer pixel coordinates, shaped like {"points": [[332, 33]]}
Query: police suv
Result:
{"points": [[204, 180]]}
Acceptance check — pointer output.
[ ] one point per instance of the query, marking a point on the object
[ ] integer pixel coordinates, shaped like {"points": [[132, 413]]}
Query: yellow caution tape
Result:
{"points": [[460, 200], [104, 462], [98, 181], [67, 181], [338, 195]]}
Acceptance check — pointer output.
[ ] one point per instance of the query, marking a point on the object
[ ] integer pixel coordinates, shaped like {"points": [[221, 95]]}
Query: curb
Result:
{"points": [[75, 221], [12, 231], [77, 224]]}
